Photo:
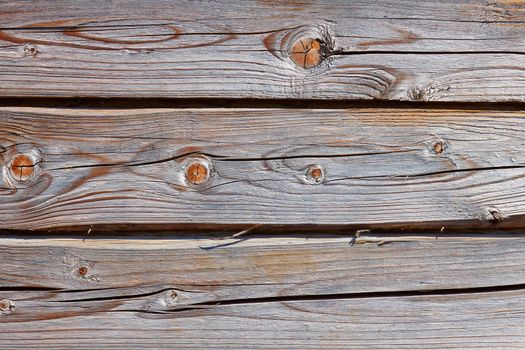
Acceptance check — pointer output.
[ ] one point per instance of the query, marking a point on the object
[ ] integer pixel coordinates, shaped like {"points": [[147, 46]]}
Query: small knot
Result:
{"points": [[30, 50], [6, 306], [83, 271], [197, 171], [315, 174], [438, 147], [171, 297]]}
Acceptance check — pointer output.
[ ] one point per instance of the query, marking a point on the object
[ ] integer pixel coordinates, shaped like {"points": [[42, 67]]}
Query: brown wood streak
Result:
{"points": [[166, 291], [74, 29], [381, 167], [443, 51], [406, 37], [80, 34]]}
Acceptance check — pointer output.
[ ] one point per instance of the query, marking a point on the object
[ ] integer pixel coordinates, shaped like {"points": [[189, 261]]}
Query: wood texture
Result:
{"points": [[264, 293], [394, 50], [485, 321], [287, 180], [384, 167], [261, 267]]}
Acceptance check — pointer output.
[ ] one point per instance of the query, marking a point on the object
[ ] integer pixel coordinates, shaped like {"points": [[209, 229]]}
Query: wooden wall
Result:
{"points": [[262, 174]]}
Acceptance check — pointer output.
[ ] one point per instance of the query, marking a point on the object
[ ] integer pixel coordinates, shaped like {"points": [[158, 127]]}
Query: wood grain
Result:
{"points": [[261, 267], [305, 293], [484, 321], [465, 50], [384, 167]]}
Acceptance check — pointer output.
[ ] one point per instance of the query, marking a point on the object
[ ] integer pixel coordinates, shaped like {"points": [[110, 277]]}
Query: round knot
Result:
{"points": [[83, 271], [315, 174], [307, 52], [438, 147], [6, 306], [197, 171], [22, 167]]}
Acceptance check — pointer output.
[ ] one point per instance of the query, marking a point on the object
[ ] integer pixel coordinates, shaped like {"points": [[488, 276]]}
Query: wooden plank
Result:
{"points": [[467, 50], [479, 321], [379, 168], [305, 293], [262, 267]]}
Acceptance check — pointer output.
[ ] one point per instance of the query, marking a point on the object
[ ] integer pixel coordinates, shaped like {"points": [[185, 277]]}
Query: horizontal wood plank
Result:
{"points": [[465, 50], [128, 293], [480, 321], [379, 168], [262, 267]]}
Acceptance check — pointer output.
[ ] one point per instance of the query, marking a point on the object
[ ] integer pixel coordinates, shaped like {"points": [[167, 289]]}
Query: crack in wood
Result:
{"points": [[189, 305], [342, 52], [403, 176], [229, 159], [366, 295]]}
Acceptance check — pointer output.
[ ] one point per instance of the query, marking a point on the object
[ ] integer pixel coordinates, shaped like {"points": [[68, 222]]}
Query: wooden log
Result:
{"points": [[465, 50], [379, 168], [315, 293]]}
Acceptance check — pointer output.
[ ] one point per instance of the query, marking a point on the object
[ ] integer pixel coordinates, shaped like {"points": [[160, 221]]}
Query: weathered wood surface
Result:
{"points": [[261, 267], [480, 321], [382, 167], [323, 170], [264, 293], [398, 50]]}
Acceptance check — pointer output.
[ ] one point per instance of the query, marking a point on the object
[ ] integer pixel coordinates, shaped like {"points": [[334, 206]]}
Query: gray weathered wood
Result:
{"points": [[262, 267], [170, 293], [382, 169], [97, 171], [429, 51], [473, 321]]}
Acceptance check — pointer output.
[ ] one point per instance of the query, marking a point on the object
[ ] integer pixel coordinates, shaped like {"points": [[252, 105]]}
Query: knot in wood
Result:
{"points": [[5, 305], [83, 271], [198, 172], [307, 52], [22, 167], [30, 50], [172, 297], [315, 174], [438, 147]]}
